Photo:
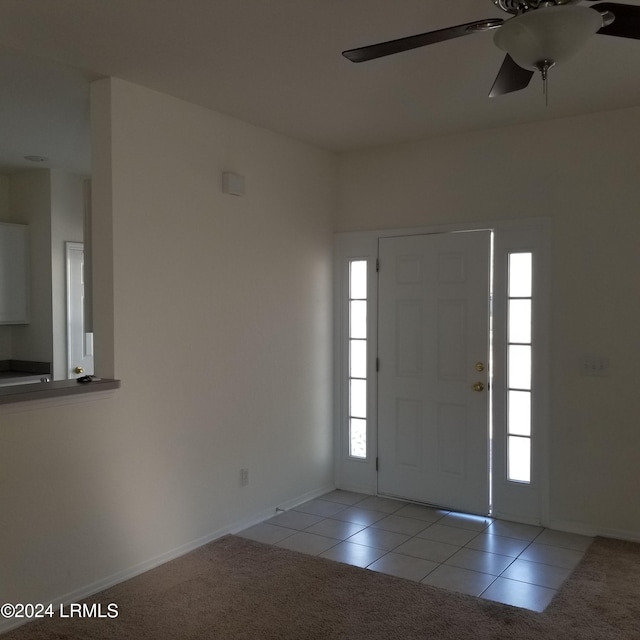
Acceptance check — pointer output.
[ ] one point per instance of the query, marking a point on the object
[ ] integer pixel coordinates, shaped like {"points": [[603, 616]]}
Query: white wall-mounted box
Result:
{"points": [[233, 184]]}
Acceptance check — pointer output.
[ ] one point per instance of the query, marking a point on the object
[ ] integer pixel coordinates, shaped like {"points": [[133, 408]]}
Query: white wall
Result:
{"points": [[221, 324], [30, 203], [5, 331], [4, 198], [582, 172]]}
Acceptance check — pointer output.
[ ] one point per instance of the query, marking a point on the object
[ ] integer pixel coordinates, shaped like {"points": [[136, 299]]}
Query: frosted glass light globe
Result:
{"points": [[553, 34]]}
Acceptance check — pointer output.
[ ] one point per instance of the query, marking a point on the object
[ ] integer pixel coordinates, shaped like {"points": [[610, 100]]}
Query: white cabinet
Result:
{"points": [[14, 288]]}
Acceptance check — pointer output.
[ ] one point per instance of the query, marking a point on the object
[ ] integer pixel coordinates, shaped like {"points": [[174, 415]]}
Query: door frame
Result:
{"points": [[511, 501], [74, 248]]}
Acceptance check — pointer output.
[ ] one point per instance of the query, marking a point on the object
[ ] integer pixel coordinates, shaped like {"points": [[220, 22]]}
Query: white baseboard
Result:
{"points": [[283, 506], [589, 530], [89, 590], [510, 517], [367, 490], [310, 495]]}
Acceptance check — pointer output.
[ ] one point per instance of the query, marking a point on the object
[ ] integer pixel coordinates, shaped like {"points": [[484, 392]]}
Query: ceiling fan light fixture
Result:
{"points": [[553, 34]]}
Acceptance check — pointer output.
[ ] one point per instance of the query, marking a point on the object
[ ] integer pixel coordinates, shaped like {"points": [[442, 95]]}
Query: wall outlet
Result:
{"points": [[244, 477]]}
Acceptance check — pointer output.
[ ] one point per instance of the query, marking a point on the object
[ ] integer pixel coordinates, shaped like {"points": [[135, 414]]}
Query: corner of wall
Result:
{"points": [[102, 227]]}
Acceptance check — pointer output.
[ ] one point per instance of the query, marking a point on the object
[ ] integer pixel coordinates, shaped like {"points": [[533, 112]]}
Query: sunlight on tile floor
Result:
{"points": [[516, 564]]}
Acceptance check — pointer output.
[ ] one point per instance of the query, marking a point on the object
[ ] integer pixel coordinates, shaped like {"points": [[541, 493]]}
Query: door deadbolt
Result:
{"points": [[479, 366]]}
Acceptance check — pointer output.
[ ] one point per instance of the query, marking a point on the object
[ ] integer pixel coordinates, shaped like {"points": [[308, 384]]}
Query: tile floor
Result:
{"points": [[512, 563]]}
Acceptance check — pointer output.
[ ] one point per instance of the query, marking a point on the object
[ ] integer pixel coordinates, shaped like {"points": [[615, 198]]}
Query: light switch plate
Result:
{"points": [[594, 365]]}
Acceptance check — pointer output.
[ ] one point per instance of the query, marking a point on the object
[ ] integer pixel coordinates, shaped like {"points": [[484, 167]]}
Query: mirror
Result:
{"points": [[44, 184]]}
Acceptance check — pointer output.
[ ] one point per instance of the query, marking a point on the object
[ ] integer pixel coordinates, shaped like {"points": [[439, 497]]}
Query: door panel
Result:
{"points": [[433, 329]]}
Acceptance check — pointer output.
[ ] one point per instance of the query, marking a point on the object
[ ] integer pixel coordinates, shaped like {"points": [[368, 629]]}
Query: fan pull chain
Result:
{"points": [[544, 66]]}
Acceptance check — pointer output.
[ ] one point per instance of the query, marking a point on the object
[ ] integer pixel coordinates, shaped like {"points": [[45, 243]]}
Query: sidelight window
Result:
{"points": [[519, 366], [358, 359]]}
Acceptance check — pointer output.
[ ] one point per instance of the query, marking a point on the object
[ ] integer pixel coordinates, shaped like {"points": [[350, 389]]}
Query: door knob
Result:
{"points": [[478, 386], [78, 370]]}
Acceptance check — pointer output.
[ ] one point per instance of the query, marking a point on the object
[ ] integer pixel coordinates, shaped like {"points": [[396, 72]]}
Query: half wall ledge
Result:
{"points": [[55, 389]]}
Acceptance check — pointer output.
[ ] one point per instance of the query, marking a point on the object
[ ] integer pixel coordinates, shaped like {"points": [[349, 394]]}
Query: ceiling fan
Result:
{"points": [[539, 35]]}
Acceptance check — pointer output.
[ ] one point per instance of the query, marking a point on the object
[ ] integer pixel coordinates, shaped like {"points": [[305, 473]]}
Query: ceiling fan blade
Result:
{"points": [[627, 22], [362, 54], [511, 77]]}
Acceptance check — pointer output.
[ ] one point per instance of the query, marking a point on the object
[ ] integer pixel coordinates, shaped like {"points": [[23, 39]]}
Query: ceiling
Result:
{"points": [[44, 111], [277, 64]]}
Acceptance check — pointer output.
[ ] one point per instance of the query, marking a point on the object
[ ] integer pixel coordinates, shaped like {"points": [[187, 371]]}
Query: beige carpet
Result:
{"points": [[239, 589]]}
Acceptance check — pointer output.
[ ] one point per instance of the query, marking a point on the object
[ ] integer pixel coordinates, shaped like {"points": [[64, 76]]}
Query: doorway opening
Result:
{"points": [[79, 340]]}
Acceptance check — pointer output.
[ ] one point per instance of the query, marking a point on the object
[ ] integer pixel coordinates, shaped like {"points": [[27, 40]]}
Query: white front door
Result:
{"points": [[433, 349], [79, 342]]}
